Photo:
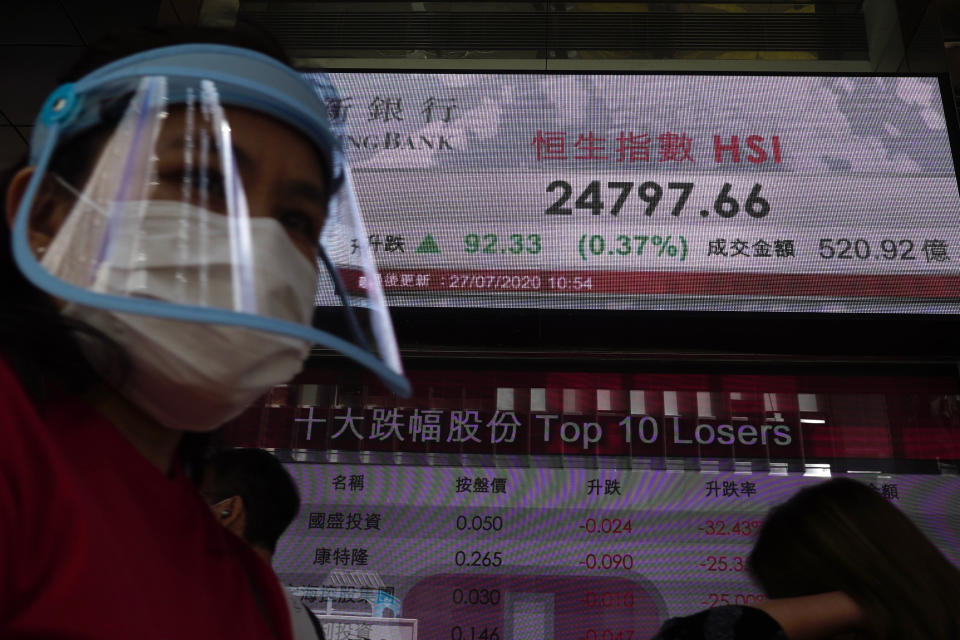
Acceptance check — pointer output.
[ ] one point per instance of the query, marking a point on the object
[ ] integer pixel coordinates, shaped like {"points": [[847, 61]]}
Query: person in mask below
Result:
{"points": [[837, 560], [180, 211], [252, 495]]}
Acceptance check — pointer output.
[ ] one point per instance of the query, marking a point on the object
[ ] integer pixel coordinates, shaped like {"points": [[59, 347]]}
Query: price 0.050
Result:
{"points": [[651, 193], [478, 558], [479, 523]]}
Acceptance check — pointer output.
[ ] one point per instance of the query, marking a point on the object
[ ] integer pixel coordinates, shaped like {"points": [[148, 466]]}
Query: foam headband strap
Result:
{"points": [[244, 78]]}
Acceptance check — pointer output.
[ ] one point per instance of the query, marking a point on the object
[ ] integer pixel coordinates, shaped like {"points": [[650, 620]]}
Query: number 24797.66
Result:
{"points": [[651, 193]]}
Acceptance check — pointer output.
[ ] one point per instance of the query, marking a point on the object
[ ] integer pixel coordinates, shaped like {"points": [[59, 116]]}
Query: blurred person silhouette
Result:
{"points": [[837, 560], [252, 495], [183, 206]]}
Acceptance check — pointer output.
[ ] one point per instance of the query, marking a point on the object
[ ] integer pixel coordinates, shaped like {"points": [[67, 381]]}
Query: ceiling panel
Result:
{"points": [[12, 146], [306, 27], [37, 22], [27, 75]]}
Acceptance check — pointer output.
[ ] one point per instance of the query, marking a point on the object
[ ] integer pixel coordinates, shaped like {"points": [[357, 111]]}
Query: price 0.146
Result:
{"points": [[474, 633], [592, 199]]}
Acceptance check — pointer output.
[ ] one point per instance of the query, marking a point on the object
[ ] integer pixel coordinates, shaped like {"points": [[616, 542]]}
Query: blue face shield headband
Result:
{"points": [[218, 195]]}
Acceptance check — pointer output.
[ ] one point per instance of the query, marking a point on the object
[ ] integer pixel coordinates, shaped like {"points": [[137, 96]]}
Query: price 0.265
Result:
{"points": [[724, 204], [478, 558]]}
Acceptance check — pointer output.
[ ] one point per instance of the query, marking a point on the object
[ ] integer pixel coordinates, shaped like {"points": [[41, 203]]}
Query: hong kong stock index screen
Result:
{"points": [[653, 192]]}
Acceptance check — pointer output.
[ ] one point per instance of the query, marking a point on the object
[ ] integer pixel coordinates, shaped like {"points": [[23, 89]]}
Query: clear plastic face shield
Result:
{"points": [[202, 183]]}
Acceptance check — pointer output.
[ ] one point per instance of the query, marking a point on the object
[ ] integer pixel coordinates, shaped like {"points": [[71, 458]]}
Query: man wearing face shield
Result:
{"points": [[182, 210]]}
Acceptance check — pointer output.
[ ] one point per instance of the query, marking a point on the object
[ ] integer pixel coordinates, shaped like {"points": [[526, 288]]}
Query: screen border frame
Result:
{"points": [[855, 335]]}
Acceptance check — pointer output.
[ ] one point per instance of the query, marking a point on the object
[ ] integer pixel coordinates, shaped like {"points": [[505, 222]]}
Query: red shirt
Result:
{"points": [[96, 542]]}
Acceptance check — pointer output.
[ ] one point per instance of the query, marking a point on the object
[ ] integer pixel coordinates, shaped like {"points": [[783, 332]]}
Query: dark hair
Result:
{"points": [[269, 495], [36, 340], [841, 535]]}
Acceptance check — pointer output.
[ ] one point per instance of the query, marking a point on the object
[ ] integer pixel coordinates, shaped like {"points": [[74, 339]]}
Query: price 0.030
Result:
{"points": [[476, 597]]}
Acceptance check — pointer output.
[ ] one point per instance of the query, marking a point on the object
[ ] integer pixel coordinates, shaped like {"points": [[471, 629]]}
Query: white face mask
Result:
{"points": [[195, 376]]}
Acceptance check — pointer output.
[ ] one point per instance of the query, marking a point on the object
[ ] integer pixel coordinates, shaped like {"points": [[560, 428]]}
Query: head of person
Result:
{"points": [[191, 203], [842, 535], [251, 494]]}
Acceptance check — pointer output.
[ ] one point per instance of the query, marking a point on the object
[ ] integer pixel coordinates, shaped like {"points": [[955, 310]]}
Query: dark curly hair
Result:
{"points": [[269, 494]]}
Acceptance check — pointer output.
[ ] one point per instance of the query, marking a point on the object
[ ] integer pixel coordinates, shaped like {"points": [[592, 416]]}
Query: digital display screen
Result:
{"points": [[499, 553], [653, 192], [512, 503]]}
